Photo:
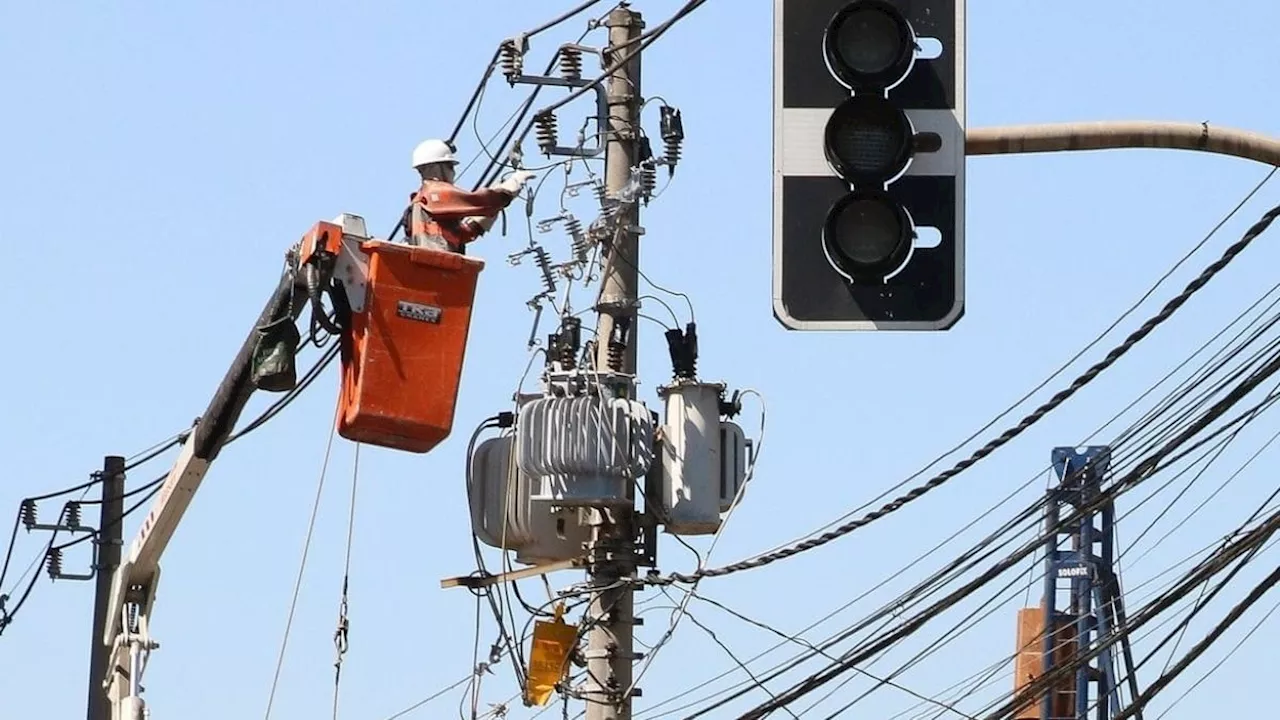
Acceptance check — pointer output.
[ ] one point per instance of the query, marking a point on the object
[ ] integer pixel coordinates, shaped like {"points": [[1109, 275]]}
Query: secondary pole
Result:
{"points": [[610, 641], [109, 541]]}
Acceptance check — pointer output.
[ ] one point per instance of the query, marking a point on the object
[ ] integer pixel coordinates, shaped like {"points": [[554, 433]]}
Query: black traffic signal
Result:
{"points": [[869, 118]]}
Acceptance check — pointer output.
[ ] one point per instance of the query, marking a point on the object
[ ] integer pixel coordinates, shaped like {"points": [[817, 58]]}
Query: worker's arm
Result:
{"points": [[474, 212], [451, 203]]}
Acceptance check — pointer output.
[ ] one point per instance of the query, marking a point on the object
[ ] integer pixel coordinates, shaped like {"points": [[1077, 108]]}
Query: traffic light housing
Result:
{"points": [[869, 125]]}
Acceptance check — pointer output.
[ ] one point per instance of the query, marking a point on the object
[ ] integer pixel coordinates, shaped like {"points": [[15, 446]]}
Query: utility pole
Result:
{"points": [[108, 544], [610, 640]]}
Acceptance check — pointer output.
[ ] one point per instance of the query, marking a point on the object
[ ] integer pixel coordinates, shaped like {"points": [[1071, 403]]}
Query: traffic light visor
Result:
{"points": [[868, 141], [869, 45], [867, 235]]}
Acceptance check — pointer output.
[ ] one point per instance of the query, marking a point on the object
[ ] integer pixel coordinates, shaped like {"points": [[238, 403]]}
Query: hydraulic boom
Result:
{"points": [[265, 361]]}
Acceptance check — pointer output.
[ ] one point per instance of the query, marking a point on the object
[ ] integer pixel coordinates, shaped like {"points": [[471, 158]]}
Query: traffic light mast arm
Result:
{"points": [[1112, 135]]}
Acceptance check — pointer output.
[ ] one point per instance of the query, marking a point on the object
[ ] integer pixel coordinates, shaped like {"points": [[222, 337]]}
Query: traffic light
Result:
{"points": [[869, 124]]}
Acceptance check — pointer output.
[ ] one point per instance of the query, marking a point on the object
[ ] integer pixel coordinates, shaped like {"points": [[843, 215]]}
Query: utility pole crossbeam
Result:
{"points": [[611, 560], [108, 544], [1095, 607]]}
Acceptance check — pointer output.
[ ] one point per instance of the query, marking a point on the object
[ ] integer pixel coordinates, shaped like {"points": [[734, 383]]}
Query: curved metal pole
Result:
{"points": [[1110, 135]]}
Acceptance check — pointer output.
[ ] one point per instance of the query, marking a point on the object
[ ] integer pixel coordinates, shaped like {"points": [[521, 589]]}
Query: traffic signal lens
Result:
{"points": [[870, 45], [868, 235], [869, 141], [868, 42]]}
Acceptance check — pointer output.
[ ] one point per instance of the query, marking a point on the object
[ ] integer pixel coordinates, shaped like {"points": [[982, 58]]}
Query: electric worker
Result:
{"points": [[444, 216]]}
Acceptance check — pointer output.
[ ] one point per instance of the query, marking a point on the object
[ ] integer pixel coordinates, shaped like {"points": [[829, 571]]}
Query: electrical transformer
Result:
{"points": [[703, 458], [505, 515], [586, 440]]}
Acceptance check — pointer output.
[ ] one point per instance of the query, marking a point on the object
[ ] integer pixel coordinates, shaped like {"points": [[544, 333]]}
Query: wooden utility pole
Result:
{"points": [[108, 545], [612, 557]]}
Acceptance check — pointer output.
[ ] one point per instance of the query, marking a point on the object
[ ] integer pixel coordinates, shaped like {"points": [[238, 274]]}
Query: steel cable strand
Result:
{"points": [[1221, 358], [1200, 604], [1249, 417], [1062, 396], [1206, 597], [1154, 422], [1196, 651], [1221, 661]]}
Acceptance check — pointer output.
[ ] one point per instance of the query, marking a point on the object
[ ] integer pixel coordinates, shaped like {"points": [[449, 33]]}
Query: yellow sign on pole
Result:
{"points": [[549, 657]]}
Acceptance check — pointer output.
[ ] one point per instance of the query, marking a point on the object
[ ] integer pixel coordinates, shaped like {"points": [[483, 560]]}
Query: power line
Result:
{"points": [[938, 480], [1142, 471], [1080, 353], [646, 39], [497, 53], [1165, 407]]}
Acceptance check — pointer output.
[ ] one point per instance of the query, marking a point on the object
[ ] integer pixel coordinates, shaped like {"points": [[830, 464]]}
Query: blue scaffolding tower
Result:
{"points": [[1087, 566]]}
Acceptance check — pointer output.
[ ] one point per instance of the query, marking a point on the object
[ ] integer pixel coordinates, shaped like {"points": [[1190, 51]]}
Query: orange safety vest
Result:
{"points": [[438, 208]]}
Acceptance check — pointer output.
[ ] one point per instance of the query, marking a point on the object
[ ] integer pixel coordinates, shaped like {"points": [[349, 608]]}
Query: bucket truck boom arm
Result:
{"points": [[321, 257]]}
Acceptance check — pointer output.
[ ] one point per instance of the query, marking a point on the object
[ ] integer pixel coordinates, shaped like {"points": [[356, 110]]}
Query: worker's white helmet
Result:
{"points": [[433, 151]]}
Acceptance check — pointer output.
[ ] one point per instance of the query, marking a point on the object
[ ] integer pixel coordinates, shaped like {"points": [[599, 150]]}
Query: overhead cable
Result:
{"points": [[1133, 477], [901, 605], [938, 480], [1071, 361], [497, 52]]}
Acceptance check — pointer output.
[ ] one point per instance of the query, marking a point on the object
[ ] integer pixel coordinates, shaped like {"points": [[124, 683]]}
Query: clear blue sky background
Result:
{"points": [[158, 158]]}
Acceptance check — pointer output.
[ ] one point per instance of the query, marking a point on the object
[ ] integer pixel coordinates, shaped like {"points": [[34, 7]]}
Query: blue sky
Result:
{"points": [[160, 157]]}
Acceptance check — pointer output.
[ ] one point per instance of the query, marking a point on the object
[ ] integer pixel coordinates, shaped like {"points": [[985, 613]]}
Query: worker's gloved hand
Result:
{"points": [[514, 182]]}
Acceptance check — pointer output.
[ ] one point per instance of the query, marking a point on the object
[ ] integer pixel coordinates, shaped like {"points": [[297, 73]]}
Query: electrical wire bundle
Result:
{"points": [[1180, 435]]}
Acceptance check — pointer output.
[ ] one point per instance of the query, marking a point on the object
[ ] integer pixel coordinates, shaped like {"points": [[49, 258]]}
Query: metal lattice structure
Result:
{"points": [[1082, 592]]}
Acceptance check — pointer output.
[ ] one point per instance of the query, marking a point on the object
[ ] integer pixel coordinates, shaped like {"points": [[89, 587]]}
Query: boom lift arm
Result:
{"points": [[328, 259]]}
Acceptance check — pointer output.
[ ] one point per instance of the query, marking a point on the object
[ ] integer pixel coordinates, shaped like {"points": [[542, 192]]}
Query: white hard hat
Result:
{"points": [[433, 151]]}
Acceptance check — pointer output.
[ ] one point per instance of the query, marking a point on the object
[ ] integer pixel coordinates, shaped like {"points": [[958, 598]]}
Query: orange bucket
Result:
{"points": [[403, 353]]}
